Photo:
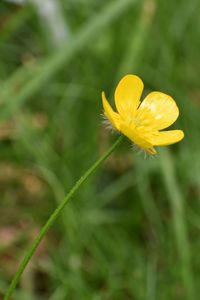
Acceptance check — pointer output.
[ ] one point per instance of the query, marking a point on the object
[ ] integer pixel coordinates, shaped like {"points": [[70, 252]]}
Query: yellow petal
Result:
{"points": [[160, 109], [136, 137], [127, 95], [165, 138], [113, 117]]}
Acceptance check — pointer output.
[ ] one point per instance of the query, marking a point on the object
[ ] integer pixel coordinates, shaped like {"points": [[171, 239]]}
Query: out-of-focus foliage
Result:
{"points": [[132, 232]]}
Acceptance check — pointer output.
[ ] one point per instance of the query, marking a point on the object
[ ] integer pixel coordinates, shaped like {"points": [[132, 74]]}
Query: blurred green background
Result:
{"points": [[132, 231]]}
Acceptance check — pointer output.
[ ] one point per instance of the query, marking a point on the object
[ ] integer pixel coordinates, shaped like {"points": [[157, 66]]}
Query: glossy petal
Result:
{"points": [[158, 109], [135, 136], [165, 138], [127, 95], [113, 117], [141, 123]]}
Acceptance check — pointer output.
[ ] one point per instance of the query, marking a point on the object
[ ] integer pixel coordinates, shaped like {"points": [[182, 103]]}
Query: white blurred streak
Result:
{"points": [[51, 17]]}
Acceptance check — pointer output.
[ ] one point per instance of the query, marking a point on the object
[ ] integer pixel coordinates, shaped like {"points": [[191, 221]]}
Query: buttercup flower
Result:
{"points": [[142, 122]]}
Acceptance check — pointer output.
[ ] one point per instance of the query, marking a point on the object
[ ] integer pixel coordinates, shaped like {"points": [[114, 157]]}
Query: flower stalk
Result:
{"points": [[30, 252]]}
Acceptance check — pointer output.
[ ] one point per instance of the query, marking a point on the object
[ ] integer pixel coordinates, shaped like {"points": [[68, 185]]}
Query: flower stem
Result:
{"points": [[54, 215]]}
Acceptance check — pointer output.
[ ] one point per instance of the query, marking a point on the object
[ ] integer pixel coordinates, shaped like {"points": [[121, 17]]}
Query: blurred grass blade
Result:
{"points": [[60, 59], [137, 41], [52, 19], [180, 228], [54, 215]]}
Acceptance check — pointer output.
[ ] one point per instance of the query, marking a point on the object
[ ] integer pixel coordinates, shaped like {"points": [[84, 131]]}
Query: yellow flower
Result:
{"points": [[142, 123]]}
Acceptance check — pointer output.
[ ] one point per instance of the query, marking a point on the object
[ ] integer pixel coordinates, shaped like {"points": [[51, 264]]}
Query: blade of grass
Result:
{"points": [[61, 58], [55, 214], [53, 21], [133, 55], [180, 227]]}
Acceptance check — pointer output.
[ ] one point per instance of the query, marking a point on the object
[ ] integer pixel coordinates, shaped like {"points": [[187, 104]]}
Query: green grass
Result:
{"points": [[132, 231]]}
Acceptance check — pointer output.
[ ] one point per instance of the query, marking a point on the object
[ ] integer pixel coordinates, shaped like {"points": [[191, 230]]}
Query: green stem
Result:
{"points": [[54, 216]]}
